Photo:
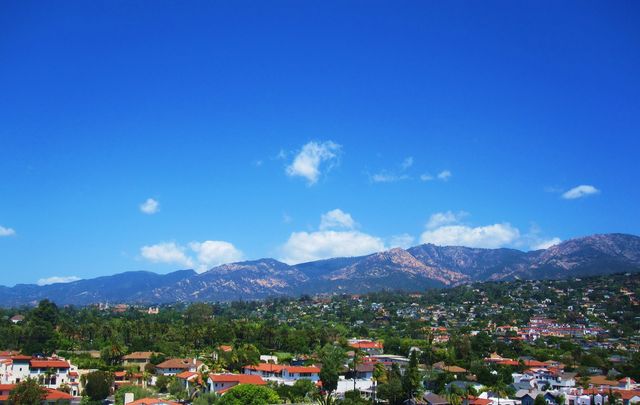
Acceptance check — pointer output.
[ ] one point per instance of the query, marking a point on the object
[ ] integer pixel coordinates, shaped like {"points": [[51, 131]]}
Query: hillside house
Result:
{"points": [[221, 383]]}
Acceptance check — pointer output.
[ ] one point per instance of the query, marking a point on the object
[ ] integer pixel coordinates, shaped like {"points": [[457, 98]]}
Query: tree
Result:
{"points": [[208, 398], [411, 379], [98, 385], [138, 393], [379, 377], [177, 390], [539, 400], [40, 327], [112, 353], [302, 390], [249, 394], [162, 383], [332, 358], [392, 390], [353, 398], [27, 392]]}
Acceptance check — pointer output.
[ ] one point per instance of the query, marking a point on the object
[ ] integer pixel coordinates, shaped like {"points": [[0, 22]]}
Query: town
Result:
{"points": [[554, 342]]}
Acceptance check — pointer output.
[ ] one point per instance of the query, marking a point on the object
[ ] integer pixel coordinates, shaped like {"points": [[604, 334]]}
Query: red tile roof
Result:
{"points": [[366, 345], [186, 375], [238, 378], [49, 364], [183, 364], [153, 401], [266, 367], [302, 369], [138, 356]]}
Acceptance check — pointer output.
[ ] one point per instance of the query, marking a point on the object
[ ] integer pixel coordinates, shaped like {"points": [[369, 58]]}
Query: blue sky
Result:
{"points": [[166, 135]]}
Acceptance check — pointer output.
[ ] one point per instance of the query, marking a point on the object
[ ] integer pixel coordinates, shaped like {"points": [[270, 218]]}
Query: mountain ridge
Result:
{"points": [[415, 268]]}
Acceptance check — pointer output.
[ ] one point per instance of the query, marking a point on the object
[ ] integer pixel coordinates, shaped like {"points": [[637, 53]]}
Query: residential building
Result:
{"points": [[221, 383]]}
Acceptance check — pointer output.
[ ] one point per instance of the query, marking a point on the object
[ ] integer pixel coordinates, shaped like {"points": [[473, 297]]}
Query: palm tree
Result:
{"points": [[354, 365], [499, 388], [379, 376]]}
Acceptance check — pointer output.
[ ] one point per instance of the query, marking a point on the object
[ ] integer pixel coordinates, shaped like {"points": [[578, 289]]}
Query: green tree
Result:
{"points": [[539, 400], [249, 394], [392, 390], [177, 390], [411, 380], [112, 353], [162, 383], [208, 398], [40, 334], [302, 390], [27, 392], [138, 393], [332, 358], [353, 398], [98, 385]]}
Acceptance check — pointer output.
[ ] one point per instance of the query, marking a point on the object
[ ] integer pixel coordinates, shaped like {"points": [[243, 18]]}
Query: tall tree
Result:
{"points": [[332, 358], [40, 329], [411, 380]]}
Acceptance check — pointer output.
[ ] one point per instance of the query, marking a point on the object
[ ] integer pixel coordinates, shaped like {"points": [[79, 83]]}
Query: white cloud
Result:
{"points": [[57, 279], [384, 177], [208, 254], [211, 253], [336, 219], [545, 244], [309, 246], [444, 175], [391, 176], [579, 192], [403, 241], [312, 159], [166, 252], [151, 206], [426, 177], [444, 218], [6, 231], [336, 237], [489, 236], [407, 163]]}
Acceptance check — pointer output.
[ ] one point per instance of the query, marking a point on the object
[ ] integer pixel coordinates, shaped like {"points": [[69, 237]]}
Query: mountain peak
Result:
{"points": [[416, 268]]}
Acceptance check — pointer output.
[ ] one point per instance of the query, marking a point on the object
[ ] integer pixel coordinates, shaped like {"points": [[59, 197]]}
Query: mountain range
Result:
{"points": [[412, 269]]}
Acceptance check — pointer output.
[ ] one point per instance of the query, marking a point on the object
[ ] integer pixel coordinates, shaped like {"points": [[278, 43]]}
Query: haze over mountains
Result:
{"points": [[412, 269]]}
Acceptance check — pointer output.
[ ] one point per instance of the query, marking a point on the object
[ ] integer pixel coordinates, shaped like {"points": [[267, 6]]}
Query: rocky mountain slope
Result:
{"points": [[412, 269]]}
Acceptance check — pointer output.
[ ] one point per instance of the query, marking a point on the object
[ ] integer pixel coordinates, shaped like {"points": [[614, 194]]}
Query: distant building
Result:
{"points": [[176, 366]]}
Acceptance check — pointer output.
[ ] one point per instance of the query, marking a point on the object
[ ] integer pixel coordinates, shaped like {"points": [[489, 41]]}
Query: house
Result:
{"points": [[138, 359], [50, 373], [220, 350], [152, 401], [367, 346], [221, 383], [441, 366], [388, 360], [189, 380], [17, 319], [172, 367], [432, 399], [283, 374], [53, 396], [365, 371], [529, 397]]}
